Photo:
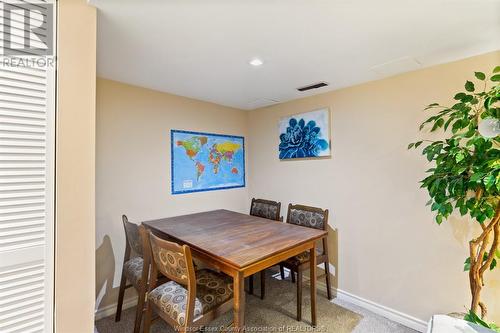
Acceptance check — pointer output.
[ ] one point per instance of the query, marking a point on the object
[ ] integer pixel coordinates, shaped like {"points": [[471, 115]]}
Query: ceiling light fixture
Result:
{"points": [[256, 62]]}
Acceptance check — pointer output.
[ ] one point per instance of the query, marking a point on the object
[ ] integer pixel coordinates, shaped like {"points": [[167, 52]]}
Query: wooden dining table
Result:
{"points": [[241, 245]]}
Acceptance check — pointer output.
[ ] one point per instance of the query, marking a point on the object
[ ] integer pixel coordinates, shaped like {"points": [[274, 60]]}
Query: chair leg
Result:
{"points": [[250, 285], [282, 272], [140, 309], [292, 273], [328, 287], [262, 284], [299, 294], [121, 293], [147, 317]]}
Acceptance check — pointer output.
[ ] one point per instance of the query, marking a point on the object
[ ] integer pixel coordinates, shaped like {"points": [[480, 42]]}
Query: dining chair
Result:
{"points": [[310, 217], [135, 269], [269, 210], [191, 299]]}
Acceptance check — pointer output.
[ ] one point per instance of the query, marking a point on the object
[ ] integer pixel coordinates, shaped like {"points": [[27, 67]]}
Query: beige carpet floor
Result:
{"points": [[276, 313]]}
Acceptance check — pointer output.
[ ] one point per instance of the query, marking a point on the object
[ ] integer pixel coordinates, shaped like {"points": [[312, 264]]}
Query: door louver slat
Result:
{"points": [[22, 297], [27, 115]]}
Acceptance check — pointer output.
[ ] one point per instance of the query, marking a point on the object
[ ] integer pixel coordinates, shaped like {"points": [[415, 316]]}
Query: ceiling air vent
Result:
{"points": [[262, 102], [397, 66], [313, 86]]}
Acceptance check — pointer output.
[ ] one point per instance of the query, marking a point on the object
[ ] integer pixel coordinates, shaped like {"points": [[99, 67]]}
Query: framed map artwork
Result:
{"points": [[206, 161]]}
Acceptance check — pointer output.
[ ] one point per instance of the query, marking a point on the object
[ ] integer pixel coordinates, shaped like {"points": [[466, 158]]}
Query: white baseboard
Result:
{"points": [[384, 311], [111, 309], [381, 310]]}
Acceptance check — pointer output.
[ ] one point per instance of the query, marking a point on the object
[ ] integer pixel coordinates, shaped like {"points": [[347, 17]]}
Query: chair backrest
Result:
{"points": [[132, 236], [311, 217], [306, 216], [172, 260], [265, 208]]}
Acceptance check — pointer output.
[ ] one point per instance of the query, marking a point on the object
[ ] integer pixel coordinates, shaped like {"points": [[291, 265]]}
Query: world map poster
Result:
{"points": [[206, 162]]}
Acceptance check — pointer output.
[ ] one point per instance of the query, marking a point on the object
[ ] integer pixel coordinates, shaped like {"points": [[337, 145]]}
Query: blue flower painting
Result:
{"points": [[305, 135]]}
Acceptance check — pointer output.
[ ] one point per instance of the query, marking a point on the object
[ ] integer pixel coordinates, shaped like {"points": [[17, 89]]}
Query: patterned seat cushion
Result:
{"points": [[264, 210], [301, 258], [212, 289], [307, 218], [133, 270]]}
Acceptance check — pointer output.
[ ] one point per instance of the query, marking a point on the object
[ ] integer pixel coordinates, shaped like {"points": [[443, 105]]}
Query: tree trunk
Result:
{"points": [[481, 259]]}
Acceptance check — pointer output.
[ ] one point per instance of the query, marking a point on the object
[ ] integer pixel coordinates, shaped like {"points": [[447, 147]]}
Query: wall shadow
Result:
{"points": [[106, 294], [462, 228], [105, 270]]}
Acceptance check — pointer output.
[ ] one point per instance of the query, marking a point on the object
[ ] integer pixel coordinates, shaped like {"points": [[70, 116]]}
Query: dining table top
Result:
{"points": [[235, 238]]}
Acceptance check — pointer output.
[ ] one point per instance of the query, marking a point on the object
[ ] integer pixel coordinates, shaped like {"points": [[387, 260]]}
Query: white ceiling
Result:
{"points": [[201, 48]]}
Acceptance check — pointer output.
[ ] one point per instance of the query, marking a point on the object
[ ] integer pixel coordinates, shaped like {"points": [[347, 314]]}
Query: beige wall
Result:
{"points": [[389, 249], [75, 167], [133, 166]]}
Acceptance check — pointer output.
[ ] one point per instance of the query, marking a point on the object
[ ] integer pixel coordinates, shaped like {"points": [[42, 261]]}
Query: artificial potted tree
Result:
{"points": [[465, 174]]}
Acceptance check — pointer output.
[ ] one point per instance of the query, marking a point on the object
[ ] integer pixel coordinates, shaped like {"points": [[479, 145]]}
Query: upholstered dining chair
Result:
{"points": [[269, 210], [310, 217], [191, 299], [135, 269]]}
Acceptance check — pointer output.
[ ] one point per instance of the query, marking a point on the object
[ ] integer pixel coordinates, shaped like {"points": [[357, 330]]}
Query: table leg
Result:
{"points": [[239, 302], [312, 271]]}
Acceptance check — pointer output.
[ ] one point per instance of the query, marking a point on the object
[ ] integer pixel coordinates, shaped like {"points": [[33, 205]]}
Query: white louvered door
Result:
{"points": [[27, 142]]}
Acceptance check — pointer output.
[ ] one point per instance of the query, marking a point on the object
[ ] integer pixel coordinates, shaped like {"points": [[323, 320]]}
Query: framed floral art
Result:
{"points": [[305, 135]]}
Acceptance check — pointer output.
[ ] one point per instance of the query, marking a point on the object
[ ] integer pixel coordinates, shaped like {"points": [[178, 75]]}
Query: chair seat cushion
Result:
{"points": [[212, 290], [301, 258], [133, 270]]}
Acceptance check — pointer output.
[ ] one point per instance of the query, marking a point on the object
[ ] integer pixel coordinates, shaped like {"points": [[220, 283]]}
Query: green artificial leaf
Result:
{"points": [[439, 219], [489, 101], [496, 70], [467, 99], [418, 143], [495, 78], [410, 146], [474, 318], [430, 106], [497, 253], [459, 96], [493, 264], [489, 211], [447, 123], [457, 125], [463, 210], [459, 157], [470, 317], [467, 265], [480, 76], [469, 86], [489, 181], [494, 327], [477, 176], [437, 124]]}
